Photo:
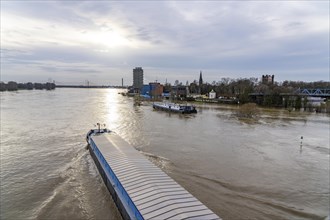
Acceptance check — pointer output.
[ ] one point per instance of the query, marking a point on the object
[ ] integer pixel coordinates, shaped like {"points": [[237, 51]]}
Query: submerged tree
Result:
{"points": [[248, 110], [298, 103]]}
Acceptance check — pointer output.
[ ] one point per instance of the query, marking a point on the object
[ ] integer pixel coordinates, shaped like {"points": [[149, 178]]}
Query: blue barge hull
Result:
{"points": [[139, 188]]}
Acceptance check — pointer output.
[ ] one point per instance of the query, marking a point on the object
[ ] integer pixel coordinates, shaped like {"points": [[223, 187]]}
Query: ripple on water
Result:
{"points": [[76, 196]]}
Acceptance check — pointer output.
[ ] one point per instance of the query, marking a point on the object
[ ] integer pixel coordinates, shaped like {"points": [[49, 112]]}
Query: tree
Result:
{"points": [[298, 103], [193, 87], [305, 103], [248, 110], [167, 87]]}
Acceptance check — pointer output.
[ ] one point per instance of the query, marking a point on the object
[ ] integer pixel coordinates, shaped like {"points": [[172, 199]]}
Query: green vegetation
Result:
{"points": [[248, 110], [250, 90]]}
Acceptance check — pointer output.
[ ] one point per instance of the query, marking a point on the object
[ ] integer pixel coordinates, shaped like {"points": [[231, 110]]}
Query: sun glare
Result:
{"points": [[113, 115], [110, 39]]}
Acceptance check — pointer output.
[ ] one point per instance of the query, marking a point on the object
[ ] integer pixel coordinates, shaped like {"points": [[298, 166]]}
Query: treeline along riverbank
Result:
{"points": [[292, 95], [14, 86]]}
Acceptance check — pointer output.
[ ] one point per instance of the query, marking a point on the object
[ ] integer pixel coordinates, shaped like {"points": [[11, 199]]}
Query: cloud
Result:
{"points": [[239, 39]]}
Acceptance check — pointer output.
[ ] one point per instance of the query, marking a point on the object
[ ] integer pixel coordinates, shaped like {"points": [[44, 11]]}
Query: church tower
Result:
{"points": [[200, 85], [200, 79]]}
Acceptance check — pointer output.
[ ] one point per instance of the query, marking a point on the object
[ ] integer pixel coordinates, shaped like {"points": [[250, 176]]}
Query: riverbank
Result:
{"points": [[14, 86], [307, 107]]}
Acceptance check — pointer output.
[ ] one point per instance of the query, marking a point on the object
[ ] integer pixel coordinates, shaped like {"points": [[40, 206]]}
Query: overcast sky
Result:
{"points": [[102, 41]]}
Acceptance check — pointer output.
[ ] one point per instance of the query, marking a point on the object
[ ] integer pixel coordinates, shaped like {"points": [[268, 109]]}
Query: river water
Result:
{"points": [[240, 170]]}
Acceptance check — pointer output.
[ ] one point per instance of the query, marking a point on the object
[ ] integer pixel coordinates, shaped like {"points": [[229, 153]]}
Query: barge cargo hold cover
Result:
{"points": [[140, 189]]}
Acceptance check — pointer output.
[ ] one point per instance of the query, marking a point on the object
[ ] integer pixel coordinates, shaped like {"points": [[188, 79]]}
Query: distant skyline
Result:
{"points": [[102, 41]]}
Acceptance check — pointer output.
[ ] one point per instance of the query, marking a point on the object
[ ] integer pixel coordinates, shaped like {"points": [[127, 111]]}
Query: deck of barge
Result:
{"points": [[140, 189]]}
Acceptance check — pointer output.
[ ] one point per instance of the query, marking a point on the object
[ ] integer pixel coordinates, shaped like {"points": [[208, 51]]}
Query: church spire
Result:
{"points": [[200, 78]]}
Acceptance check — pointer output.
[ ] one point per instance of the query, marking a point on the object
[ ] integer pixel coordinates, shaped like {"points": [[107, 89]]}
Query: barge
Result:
{"points": [[140, 189], [172, 107]]}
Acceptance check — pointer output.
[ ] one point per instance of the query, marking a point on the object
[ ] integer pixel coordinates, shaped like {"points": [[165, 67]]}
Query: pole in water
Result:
{"points": [[301, 140]]}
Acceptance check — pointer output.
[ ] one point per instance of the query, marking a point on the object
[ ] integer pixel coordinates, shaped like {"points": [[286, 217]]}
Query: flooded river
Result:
{"points": [[255, 170]]}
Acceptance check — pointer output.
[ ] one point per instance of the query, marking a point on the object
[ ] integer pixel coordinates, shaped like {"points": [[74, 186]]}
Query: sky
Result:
{"points": [[73, 42]]}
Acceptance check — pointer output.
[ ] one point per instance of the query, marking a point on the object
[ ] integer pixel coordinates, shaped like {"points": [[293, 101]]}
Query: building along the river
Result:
{"points": [[137, 79]]}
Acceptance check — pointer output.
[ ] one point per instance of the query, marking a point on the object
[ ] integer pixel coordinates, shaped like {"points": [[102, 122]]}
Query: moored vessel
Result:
{"points": [[172, 107]]}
